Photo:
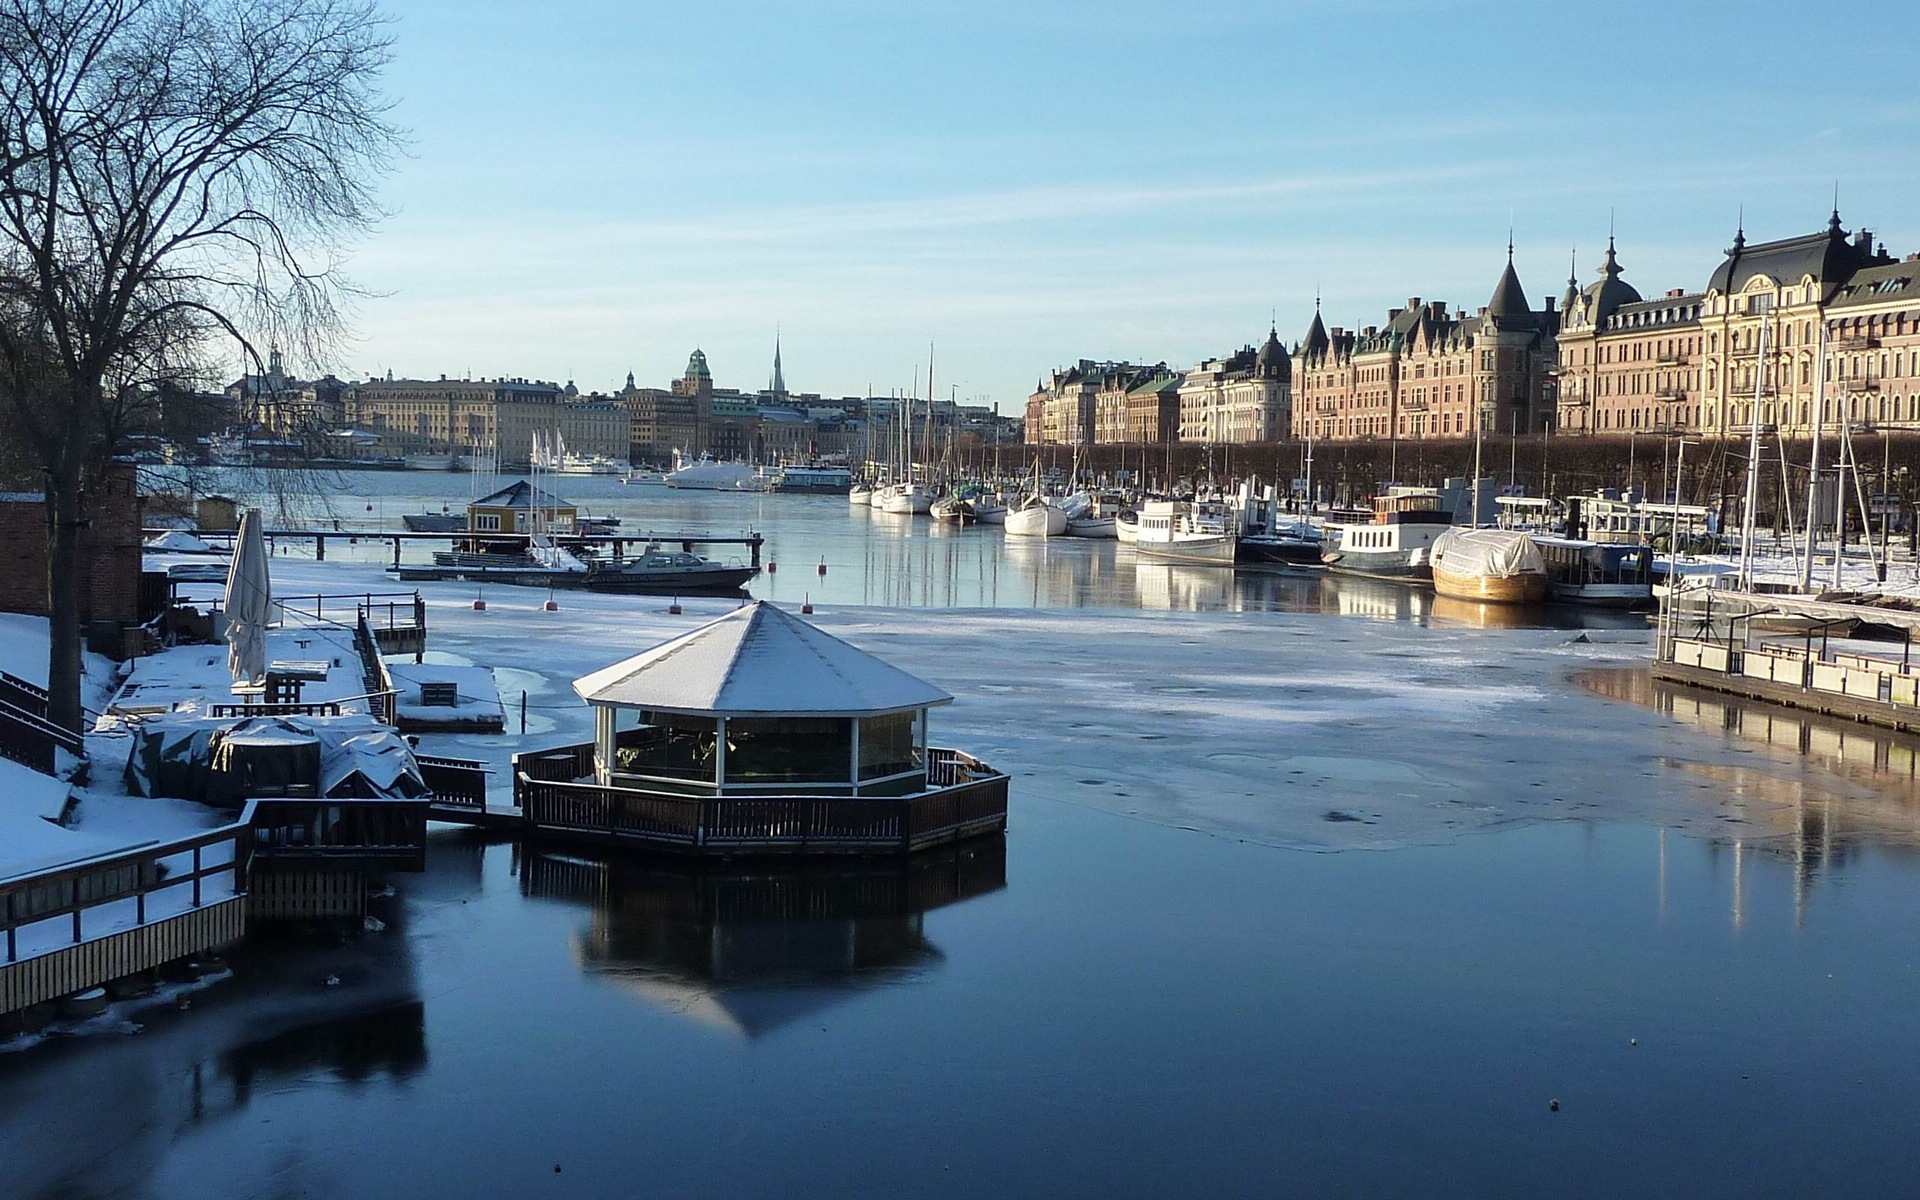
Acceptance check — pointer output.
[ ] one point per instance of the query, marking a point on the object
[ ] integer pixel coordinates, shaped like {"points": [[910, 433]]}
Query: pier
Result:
{"points": [[617, 543], [1777, 649]]}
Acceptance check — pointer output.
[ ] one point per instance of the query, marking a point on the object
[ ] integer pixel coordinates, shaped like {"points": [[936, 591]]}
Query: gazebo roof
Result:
{"points": [[758, 661]]}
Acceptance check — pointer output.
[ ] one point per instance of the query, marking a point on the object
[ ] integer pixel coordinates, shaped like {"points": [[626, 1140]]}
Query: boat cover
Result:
{"points": [[1487, 553]]}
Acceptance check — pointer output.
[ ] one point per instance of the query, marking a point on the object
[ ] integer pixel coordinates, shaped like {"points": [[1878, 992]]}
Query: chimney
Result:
{"points": [[1550, 303]]}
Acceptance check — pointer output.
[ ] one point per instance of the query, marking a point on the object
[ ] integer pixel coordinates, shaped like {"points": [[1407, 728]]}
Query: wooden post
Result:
{"points": [[319, 548]]}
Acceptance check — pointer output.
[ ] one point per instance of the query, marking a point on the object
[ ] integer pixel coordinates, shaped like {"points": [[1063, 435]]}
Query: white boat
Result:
{"points": [[860, 495], [431, 462], [1396, 544], [1036, 518], [705, 474], [988, 511], [1092, 527], [951, 509], [1584, 572], [906, 499], [590, 464], [645, 479], [1126, 526], [1201, 533]]}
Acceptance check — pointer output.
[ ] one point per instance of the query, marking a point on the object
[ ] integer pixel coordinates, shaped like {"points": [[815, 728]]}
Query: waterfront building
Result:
{"points": [[491, 415], [1087, 403], [1246, 397], [1692, 361], [1153, 409], [1425, 372]]}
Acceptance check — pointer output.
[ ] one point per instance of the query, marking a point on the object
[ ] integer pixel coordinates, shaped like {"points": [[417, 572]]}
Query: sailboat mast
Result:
{"points": [[1813, 462], [1753, 462]]}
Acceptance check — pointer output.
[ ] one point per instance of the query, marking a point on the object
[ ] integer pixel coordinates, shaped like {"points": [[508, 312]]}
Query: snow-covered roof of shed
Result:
{"points": [[758, 661]]}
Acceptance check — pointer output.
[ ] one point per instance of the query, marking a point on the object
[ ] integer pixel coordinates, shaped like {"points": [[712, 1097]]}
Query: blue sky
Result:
{"points": [[600, 187]]}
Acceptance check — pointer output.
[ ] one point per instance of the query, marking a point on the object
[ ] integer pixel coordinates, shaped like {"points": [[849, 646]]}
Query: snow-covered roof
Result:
{"points": [[758, 661], [521, 494]]}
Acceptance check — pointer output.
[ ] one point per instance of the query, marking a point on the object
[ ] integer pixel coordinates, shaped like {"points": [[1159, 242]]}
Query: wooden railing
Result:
{"points": [[385, 832], [280, 708], [966, 798], [31, 740], [23, 694], [378, 680], [69, 904], [456, 782]]}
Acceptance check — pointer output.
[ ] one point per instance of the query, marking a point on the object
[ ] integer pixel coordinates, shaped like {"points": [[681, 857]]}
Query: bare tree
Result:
{"points": [[172, 173]]}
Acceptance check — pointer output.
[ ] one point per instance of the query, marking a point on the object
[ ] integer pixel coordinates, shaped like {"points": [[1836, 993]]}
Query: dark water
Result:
{"points": [[1101, 1007]]}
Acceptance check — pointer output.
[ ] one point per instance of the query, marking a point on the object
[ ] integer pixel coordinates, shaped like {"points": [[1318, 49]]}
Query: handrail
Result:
{"points": [[124, 874]]}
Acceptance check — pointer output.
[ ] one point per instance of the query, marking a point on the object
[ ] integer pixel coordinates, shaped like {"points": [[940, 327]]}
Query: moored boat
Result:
{"points": [[1494, 566], [1597, 573], [1396, 544], [1199, 533], [1036, 518], [660, 572], [905, 499], [827, 481], [707, 475], [860, 494]]}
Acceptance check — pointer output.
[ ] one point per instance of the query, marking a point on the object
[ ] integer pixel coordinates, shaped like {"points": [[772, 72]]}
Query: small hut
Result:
{"points": [[759, 734], [518, 507], [760, 702]]}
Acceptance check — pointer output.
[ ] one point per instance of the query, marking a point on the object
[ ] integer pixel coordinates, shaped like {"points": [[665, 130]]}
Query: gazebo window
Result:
{"points": [[668, 746], [787, 749], [889, 745]]}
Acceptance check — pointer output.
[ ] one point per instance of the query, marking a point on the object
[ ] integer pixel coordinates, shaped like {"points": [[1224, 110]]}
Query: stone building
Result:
{"points": [[1247, 397], [1087, 403], [458, 415], [1431, 373], [1627, 363], [1153, 408], [1746, 348]]}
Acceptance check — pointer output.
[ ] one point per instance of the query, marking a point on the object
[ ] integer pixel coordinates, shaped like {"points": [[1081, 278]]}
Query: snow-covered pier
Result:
{"points": [[1789, 650]]}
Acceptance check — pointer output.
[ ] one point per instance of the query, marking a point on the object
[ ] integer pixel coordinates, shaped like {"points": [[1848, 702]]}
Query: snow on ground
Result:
{"points": [[189, 678], [1297, 730], [23, 654], [479, 698]]}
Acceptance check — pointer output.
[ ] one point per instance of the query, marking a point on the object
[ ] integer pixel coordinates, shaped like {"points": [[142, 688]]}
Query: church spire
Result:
{"points": [[779, 387]]}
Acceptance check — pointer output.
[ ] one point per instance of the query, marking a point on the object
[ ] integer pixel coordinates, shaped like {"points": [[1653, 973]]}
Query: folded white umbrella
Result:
{"points": [[249, 603]]}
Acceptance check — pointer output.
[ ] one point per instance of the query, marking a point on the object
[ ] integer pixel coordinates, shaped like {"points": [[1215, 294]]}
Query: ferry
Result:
{"points": [[1201, 533], [1396, 544], [1613, 575], [829, 481]]}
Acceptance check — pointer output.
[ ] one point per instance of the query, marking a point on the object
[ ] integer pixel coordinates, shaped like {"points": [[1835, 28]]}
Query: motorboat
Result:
{"points": [[860, 495], [645, 478], [1126, 526], [1493, 566], [1198, 532], [1396, 544], [658, 572], [1598, 573], [589, 464], [1296, 545], [705, 474]]}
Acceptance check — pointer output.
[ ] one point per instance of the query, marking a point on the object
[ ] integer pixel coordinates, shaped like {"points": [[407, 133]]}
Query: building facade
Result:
{"points": [[1247, 397], [1431, 373], [1747, 349]]}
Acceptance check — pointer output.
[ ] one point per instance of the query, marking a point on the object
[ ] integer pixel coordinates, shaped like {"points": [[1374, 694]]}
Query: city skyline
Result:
{"points": [[1025, 189]]}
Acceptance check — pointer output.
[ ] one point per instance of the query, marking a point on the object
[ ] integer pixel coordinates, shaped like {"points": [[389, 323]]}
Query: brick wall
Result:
{"points": [[109, 552]]}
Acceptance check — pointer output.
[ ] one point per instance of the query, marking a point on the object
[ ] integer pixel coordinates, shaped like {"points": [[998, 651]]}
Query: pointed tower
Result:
{"points": [[1509, 298], [779, 385]]}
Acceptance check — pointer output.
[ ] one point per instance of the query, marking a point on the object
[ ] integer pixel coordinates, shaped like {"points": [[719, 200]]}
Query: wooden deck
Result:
{"points": [[965, 799], [1904, 718]]}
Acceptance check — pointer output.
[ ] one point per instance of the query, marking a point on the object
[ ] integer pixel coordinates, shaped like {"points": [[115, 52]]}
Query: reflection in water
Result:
{"points": [[391, 1043], [1829, 789], [750, 949]]}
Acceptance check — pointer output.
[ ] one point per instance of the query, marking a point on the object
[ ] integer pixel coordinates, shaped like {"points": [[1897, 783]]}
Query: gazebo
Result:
{"points": [[759, 731]]}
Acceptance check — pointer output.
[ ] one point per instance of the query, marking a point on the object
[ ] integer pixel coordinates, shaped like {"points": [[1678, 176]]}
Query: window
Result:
{"points": [[889, 745], [487, 522], [788, 749]]}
